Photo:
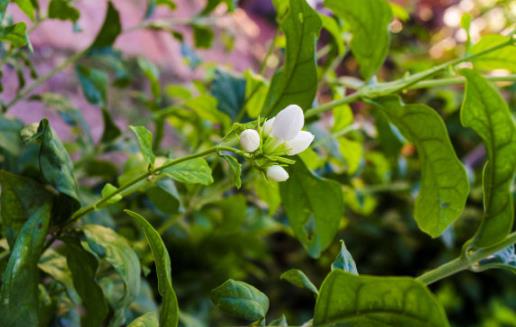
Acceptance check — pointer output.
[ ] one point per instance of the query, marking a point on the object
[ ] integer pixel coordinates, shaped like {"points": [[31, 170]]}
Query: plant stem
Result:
{"points": [[458, 80], [465, 262]]}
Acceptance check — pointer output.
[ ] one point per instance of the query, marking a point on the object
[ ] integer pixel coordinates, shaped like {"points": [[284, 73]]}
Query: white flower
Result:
{"points": [[250, 140], [267, 126], [299, 143], [288, 123], [277, 173]]}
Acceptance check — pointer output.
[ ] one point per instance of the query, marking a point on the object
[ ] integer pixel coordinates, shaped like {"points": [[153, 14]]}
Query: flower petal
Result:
{"points": [[288, 122], [277, 173], [299, 143]]}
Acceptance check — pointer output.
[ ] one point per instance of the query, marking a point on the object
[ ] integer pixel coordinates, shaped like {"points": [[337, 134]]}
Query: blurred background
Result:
{"points": [[378, 228]]}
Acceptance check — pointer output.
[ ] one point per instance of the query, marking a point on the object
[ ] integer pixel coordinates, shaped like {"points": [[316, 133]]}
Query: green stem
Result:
{"points": [[465, 262]]}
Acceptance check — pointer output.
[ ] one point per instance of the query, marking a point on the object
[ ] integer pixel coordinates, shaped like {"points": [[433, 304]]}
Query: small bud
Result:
{"points": [[288, 123], [267, 126], [299, 143], [277, 173], [250, 140]]}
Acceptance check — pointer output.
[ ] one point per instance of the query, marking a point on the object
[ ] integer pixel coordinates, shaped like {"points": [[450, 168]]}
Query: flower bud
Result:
{"points": [[277, 173], [288, 123], [267, 126], [250, 140], [299, 143]]}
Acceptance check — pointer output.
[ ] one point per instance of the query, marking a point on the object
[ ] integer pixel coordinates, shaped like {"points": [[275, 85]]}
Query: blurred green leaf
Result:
{"points": [[236, 169], [148, 319], [348, 300], [444, 185], [20, 197], [298, 278], [485, 111], [111, 130], [10, 136], [230, 92], [83, 266], [344, 261], [15, 34], [314, 207], [109, 189], [329, 24], [63, 10], [503, 58], [256, 88], [144, 137], [241, 300], [152, 73], [203, 36], [296, 81], [165, 196], [109, 31], [196, 171], [18, 295], [368, 21], [27, 6], [94, 84], [212, 4], [169, 312], [504, 259]]}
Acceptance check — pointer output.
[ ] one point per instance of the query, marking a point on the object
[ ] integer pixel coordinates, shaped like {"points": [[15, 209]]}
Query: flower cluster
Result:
{"points": [[278, 136]]}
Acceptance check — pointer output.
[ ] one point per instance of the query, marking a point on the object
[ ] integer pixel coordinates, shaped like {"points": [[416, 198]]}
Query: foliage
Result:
{"points": [[222, 202]]}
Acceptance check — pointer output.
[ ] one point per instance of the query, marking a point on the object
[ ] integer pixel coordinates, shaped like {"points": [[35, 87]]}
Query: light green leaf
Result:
{"points": [[485, 111], [109, 189], [280, 322], [230, 92], [165, 196], [444, 185], [196, 171], [296, 81], [368, 21], [329, 24], [503, 58], [148, 319], [15, 34], [236, 169], [20, 197], [169, 312], [109, 31], [298, 278], [107, 245], [94, 84], [10, 137], [241, 300], [152, 73], [18, 295], [27, 7], [83, 266], [63, 10], [314, 207], [144, 137], [348, 300], [344, 261], [256, 88]]}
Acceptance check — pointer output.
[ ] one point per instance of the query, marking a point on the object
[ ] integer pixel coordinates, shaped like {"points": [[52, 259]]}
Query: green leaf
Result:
{"points": [[256, 88], [111, 130], [169, 312], [144, 137], [280, 322], [344, 261], [165, 196], [296, 82], [348, 300], [298, 278], [444, 185], [83, 266], [10, 137], [314, 207], [19, 302], [212, 4], [152, 73], [503, 58], [195, 171], [203, 36], [15, 34], [229, 91], [3, 8], [57, 170], [109, 189], [368, 21], [329, 24], [485, 111], [104, 243], [27, 7], [109, 31], [63, 10], [236, 169], [94, 84], [241, 300], [20, 197], [148, 319]]}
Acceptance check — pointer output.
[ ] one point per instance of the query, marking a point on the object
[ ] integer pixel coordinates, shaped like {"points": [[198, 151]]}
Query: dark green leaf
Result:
{"points": [[241, 300], [109, 31], [329, 24], [10, 136], [169, 312], [314, 207], [348, 300], [236, 169], [94, 84], [444, 185], [298, 278], [19, 302], [369, 22], [109, 189], [148, 319], [27, 7], [196, 171], [230, 92], [203, 36], [344, 261], [63, 10], [296, 82], [83, 266], [3, 7], [19, 198], [485, 111], [111, 130], [144, 137], [15, 34]]}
